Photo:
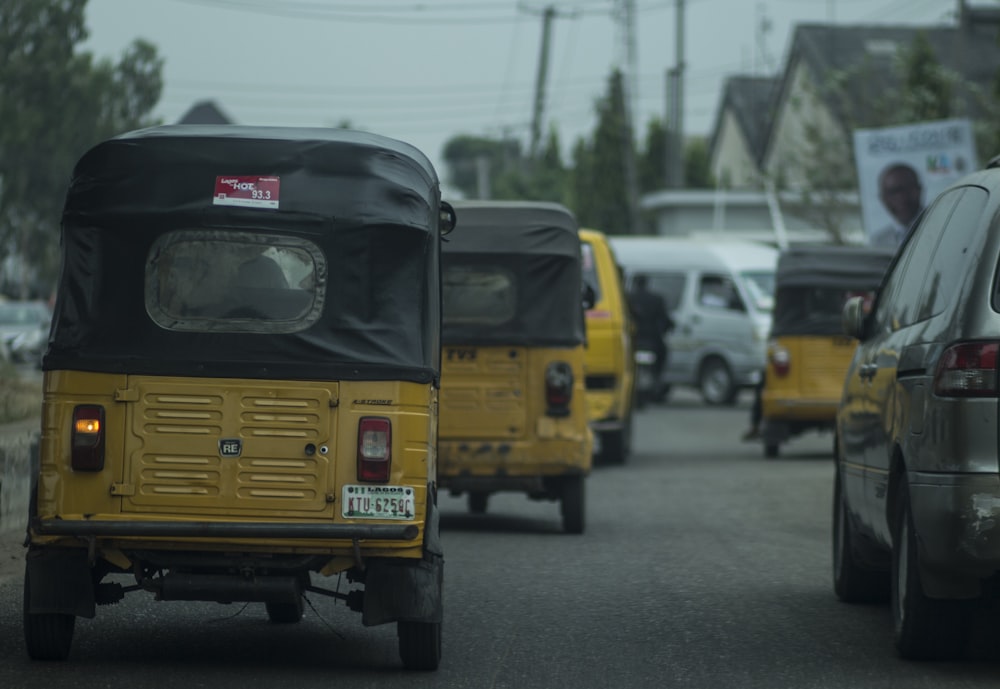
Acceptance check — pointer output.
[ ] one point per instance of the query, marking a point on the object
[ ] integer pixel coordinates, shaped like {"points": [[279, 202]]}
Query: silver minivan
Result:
{"points": [[916, 510], [720, 294]]}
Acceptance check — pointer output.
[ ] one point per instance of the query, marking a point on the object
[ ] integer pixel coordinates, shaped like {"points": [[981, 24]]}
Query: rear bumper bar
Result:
{"points": [[174, 529]]}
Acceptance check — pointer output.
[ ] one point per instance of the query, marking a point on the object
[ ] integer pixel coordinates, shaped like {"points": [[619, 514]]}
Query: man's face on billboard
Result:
{"points": [[901, 194]]}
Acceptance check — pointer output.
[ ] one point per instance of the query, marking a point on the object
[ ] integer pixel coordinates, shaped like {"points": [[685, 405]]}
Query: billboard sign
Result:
{"points": [[902, 169]]}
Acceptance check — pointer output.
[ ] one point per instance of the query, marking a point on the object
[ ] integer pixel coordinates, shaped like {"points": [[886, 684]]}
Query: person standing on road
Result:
{"points": [[652, 321]]}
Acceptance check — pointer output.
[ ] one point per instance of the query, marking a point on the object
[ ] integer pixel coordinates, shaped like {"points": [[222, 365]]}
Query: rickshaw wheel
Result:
{"points": [[419, 644], [48, 636], [284, 613], [573, 505], [478, 501], [771, 450]]}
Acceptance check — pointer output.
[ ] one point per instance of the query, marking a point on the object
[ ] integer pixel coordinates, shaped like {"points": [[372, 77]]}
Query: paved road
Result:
{"points": [[703, 565]]}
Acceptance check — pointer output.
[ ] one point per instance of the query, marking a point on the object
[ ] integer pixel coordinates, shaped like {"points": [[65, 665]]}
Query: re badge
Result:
{"points": [[230, 447]]}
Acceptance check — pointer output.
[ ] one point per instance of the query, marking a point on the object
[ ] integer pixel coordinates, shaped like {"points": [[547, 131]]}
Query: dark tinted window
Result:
{"points": [[898, 304], [670, 286], [954, 253]]}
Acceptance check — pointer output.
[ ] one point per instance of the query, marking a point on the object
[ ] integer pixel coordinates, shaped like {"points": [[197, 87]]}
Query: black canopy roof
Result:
{"points": [[370, 203], [812, 283], [850, 267], [538, 243]]}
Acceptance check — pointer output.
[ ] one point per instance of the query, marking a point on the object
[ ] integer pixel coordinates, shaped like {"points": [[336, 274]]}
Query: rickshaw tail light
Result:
{"points": [[968, 369], [558, 388], [781, 361], [87, 442], [374, 449]]}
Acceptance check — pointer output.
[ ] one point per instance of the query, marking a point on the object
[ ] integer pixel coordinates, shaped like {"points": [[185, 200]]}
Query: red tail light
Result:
{"points": [[374, 449], [87, 438], [968, 369], [781, 360], [558, 388]]}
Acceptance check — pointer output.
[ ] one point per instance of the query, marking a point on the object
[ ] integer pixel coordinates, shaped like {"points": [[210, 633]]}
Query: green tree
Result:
{"points": [[926, 88], [652, 163], [697, 166], [56, 103], [598, 188]]}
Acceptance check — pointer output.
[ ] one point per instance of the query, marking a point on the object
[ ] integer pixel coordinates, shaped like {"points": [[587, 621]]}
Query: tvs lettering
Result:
{"points": [[461, 354], [374, 403]]}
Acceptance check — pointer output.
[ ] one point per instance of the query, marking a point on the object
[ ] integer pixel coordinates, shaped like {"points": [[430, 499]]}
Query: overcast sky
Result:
{"points": [[426, 70]]}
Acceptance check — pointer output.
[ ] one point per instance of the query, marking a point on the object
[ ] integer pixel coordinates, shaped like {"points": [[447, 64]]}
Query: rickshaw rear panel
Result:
{"points": [[513, 396], [808, 354], [241, 384]]}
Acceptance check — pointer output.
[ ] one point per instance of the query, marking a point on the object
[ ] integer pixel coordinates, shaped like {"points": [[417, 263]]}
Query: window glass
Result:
{"points": [[211, 281], [718, 292], [898, 304], [954, 253], [590, 276], [670, 286], [760, 288], [478, 295]]}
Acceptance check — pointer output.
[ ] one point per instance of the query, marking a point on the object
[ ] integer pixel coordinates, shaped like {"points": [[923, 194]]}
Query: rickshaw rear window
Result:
{"points": [[213, 281], [478, 295]]}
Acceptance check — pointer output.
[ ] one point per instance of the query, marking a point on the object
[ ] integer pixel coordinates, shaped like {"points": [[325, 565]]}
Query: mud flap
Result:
{"points": [[409, 590], [60, 581]]}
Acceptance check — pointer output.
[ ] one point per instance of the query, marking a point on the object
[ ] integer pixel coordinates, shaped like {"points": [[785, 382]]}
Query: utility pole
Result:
{"points": [[548, 14], [675, 108], [629, 82]]}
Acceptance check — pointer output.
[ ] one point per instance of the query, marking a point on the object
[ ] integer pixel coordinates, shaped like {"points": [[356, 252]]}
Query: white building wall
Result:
{"points": [[732, 160]]}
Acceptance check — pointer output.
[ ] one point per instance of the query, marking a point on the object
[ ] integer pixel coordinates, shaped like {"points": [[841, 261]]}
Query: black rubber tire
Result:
{"points": [[715, 381], [771, 450], [851, 582], [478, 502], [284, 613], [419, 644], [615, 446], [48, 636], [923, 628], [573, 505]]}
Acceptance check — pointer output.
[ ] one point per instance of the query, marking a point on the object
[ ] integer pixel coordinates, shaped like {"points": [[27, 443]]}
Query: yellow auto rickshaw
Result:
{"points": [[241, 383], [610, 360], [513, 401], [808, 354]]}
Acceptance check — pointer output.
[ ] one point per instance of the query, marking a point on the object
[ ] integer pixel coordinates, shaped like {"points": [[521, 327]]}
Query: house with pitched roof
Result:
{"points": [[774, 136]]}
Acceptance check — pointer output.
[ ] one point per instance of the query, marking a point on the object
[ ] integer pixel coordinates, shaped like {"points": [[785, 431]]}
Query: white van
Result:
{"points": [[720, 294]]}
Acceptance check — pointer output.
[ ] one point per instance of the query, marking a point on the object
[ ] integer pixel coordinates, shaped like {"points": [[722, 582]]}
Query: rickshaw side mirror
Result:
{"points": [[589, 297], [853, 316], [448, 218]]}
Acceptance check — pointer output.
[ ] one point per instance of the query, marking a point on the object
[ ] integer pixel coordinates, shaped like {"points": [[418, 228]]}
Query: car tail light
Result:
{"points": [[781, 360], [87, 444], [558, 388], [968, 369], [374, 449]]}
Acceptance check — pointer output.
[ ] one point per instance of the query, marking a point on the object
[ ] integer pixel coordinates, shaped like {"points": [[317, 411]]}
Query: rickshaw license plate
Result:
{"points": [[377, 502]]}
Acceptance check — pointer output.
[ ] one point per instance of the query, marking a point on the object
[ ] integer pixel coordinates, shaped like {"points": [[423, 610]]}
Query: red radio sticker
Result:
{"points": [[247, 191]]}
